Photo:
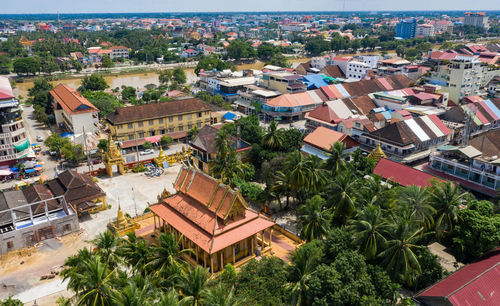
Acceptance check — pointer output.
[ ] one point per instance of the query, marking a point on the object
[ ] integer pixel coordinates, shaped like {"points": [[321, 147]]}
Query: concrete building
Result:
{"points": [[24, 223], [424, 30], [406, 28], [14, 143], [119, 52], [284, 82], [478, 19], [173, 118], [73, 112], [462, 76]]}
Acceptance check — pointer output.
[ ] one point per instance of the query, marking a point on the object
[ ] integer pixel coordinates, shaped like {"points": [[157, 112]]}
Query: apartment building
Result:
{"points": [[156, 119], [284, 82], [406, 28], [14, 143], [119, 52], [478, 19], [73, 112], [424, 30], [460, 77]]}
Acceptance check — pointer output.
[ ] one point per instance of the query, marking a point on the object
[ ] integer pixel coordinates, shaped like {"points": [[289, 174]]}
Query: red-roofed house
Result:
{"points": [[320, 141], [73, 111], [213, 220], [403, 175], [475, 284]]}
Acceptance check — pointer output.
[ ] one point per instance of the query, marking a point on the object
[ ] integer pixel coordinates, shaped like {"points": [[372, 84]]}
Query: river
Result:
{"points": [[137, 80]]}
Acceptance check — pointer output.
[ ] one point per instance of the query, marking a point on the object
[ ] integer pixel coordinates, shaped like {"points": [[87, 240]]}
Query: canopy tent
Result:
{"points": [[153, 139], [22, 146]]}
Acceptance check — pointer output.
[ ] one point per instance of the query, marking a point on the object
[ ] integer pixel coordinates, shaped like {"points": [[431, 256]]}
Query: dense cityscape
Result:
{"points": [[250, 158]]}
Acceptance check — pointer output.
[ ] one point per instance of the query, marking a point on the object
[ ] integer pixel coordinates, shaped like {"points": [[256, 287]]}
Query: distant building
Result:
{"points": [[14, 143], [73, 111], [478, 19], [119, 52], [406, 28], [424, 30]]}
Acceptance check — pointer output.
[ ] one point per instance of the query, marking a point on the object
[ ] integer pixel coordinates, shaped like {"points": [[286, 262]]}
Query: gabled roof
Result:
{"points": [[403, 175], [333, 71], [475, 284], [209, 213], [323, 138], [77, 188], [71, 101]]}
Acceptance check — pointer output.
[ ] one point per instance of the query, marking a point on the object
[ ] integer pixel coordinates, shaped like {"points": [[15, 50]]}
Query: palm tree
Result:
{"points": [[297, 172], [375, 192], [166, 253], [314, 220], [304, 263], [369, 231], [170, 298], [94, 286], [134, 251], [336, 158], [273, 139], [193, 286], [222, 296], [106, 243], [399, 258], [228, 167], [417, 198], [317, 175], [137, 292], [281, 187], [343, 189], [446, 198]]}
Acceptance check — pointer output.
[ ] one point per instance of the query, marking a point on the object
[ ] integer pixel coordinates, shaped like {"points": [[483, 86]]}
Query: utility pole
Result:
{"points": [[135, 203], [136, 144]]}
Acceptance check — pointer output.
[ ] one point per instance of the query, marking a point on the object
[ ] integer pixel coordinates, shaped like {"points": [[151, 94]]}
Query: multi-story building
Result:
{"points": [[393, 66], [284, 82], [406, 28], [119, 52], [14, 143], [424, 30], [460, 76], [73, 112], [156, 119], [478, 19]]}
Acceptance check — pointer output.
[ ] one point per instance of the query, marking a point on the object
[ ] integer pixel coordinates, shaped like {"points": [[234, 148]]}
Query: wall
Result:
{"points": [[88, 120]]}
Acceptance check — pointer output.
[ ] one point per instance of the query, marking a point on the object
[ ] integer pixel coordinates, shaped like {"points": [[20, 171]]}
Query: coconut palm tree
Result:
{"points": [[166, 253], [375, 192], [94, 286], [417, 198], [136, 292], [317, 175], [281, 187], [273, 139], [343, 189], [304, 263], [297, 172], [134, 251], [170, 298], [446, 198], [336, 158], [314, 220], [369, 231], [193, 286], [399, 257], [222, 296], [106, 243]]}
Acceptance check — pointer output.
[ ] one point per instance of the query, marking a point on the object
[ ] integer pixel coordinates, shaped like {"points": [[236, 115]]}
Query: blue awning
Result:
{"points": [[30, 170], [229, 116], [67, 135]]}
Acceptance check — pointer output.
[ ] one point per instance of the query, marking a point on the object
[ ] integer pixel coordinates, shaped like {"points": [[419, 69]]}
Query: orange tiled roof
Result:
{"points": [[71, 101]]}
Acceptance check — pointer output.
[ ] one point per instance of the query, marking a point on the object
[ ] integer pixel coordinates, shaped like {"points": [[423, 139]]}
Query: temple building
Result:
{"points": [[212, 220]]}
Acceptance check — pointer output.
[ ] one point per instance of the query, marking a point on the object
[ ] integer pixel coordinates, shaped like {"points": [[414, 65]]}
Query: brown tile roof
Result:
{"points": [[157, 110], [397, 133], [363, 104], [323, 138], [205, 140], [71, 101], [333, 71], [488, 143], [324, 113], [365, 87]]}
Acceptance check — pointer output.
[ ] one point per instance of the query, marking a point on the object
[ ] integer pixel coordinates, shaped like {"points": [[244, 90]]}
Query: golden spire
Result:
{"points": [[377, 154], [120, 219]]}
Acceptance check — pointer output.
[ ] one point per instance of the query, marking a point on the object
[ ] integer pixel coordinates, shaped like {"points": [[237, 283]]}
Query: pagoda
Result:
{"points": [[377, 154], [113, 157], [123, 225]]}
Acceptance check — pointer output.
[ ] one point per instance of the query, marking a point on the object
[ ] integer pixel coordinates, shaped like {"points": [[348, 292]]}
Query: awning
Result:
{"points": [[446, 148], [22, 146], [5, 172], [30, 170], [229, 116], [153, 139], [470, 151]]}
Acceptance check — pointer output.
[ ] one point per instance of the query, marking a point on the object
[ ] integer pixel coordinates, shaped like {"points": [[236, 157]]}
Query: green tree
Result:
{"points": [[279, 60], [239, 49], [134, 251], [11, 302], [147, 145], [94, 286], [56, 143], [193, 132], [272, 139], [165, 77], [106, 62], [266, 51], [94, 82], [73, 153], [446, 198], [4, 64], [41, 115], [223, 296], [128, 93], [102, 145], [179, 76], [193, 286], [26, 65], [39, 94], [336, 161], [166, 140], [105, 102], [165, 253], [313, 219]]}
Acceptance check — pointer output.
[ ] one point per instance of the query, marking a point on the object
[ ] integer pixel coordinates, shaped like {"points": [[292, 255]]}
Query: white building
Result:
{"points": [[353, 69], [73, 112], [119, 52], [424, 30], [478, 19]]}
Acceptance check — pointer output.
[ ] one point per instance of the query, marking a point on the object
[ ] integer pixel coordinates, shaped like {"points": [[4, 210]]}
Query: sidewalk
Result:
{"points": [[37, 292]]}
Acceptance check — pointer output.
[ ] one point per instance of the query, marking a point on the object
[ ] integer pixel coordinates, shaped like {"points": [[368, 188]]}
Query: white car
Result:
{"points": [[147, 152], [39, 138]]}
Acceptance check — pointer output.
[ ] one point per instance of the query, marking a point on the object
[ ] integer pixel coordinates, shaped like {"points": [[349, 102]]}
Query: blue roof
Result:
{"points": [[229, 116], [493, 107], [314, 81], [64, 135], [387, 115]]}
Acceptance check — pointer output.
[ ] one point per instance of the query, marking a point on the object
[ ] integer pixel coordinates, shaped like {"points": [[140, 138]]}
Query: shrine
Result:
{"points": [[113, 157], [213, 220], [123, 225]]}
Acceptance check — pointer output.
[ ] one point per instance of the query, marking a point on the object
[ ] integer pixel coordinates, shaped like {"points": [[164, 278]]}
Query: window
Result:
{"points": [[151, 133], [171, 130], [67, 227], [181, 128], [141, 135], [180, 118], [151, 122], [162, 131], [10, 244], [141, 124], [170, 119], [190, 126], [130, 125], [160, 121], [198, 124], [199, 115], [190, 116], [130, 137]]}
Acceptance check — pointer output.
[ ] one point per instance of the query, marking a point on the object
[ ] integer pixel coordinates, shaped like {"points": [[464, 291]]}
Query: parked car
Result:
{"points": [[147, 152], [39, 138], [96, 161]]}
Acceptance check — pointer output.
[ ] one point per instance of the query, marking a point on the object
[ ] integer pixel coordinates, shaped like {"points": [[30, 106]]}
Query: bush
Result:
{"points": [[139, 168]]}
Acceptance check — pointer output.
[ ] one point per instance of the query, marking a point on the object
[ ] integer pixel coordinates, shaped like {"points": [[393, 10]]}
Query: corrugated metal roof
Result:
{"points": [[417, 130], [493, 107], [432, 126]]}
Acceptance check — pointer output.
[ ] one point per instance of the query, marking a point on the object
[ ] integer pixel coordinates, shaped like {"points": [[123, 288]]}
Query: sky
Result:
{"points": [[133, 6]]}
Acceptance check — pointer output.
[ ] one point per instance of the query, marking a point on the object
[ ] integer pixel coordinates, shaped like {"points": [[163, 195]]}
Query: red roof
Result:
{"points": [[475, 284], [72, 101], [403, 175]]}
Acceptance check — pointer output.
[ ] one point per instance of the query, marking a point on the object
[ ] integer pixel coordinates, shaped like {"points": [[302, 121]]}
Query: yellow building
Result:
{"points": [[174, 118]]}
